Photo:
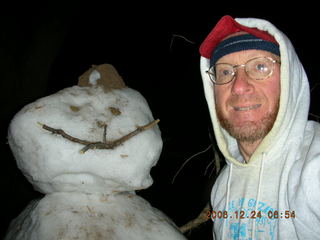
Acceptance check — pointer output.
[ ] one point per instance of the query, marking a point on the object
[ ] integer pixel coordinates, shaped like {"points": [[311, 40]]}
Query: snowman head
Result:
{"points": [[53, 163]]}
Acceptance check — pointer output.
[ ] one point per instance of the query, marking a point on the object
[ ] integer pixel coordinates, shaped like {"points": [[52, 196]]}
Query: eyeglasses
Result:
{"points": [[256, 68]]}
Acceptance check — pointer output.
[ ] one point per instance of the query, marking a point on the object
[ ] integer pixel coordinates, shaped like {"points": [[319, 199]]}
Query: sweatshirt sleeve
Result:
{"points": [[305, 199]]}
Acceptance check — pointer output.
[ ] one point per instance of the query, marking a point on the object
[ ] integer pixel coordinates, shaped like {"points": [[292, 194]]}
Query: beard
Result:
{"points": [[250, 131]]}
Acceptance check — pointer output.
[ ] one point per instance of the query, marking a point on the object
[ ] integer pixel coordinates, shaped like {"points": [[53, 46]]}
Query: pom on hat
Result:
{"points": [[225, 27]]}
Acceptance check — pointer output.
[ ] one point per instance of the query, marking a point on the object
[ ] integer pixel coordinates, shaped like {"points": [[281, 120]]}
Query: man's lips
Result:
{"points": [[246, 108]]}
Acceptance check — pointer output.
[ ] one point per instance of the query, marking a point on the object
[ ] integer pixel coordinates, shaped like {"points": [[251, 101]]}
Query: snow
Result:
{"points": [[52, 163], [88, 195], [90, 216], [94, 77]]}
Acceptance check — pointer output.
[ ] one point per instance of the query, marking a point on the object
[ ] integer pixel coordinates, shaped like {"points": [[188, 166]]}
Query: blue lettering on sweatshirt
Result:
{"points": [[240, 216]]}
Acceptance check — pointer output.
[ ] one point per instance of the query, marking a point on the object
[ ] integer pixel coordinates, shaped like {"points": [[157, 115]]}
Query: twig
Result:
{"points": [[314, 115], [179, 36], [104, 138], [202, 218], [188, 161], [314, 87], [216, 161], [205, 213], [63, 134], [99, 145]]}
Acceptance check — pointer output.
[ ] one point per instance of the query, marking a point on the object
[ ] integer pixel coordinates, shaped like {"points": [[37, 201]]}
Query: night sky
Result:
{"points": [[154, 47]]}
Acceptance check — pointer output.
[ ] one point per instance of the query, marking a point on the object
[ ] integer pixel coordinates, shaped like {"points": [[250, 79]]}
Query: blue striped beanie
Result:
{"points": [[241, 43]]}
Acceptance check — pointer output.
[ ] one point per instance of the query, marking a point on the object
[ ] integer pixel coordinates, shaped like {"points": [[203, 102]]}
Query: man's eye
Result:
{"points": [[261, 67], [225, 72]]}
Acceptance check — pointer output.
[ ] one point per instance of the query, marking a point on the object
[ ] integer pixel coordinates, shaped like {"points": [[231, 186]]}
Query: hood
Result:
{"points": [[294, 99]]}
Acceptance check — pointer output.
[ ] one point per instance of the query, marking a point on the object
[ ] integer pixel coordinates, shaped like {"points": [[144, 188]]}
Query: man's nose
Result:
{"points": [[241, 83]]}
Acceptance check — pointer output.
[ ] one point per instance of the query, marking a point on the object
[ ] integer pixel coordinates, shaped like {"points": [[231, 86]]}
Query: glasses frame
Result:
{"points": [[235, 67]]}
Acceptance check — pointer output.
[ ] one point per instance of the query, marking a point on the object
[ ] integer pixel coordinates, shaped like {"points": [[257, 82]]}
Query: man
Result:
{"points": [[258, 98]]}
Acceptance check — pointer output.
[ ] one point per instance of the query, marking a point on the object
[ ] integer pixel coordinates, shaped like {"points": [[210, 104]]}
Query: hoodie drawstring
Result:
{"points": [[224, 228], [258, 196]]}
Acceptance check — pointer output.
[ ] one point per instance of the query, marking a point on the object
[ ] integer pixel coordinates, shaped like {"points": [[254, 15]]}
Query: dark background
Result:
{"points": [[45, 48]]}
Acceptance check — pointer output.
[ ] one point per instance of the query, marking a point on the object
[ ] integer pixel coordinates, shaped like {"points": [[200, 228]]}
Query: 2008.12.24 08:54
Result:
{"points": [[252, 215]]}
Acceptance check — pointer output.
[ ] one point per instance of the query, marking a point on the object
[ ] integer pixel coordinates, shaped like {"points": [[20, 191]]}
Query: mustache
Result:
{"points": [[242, 99]]}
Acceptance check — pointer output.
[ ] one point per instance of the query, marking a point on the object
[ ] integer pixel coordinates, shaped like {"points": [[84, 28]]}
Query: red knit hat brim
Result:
{"points": [[225, 27]]}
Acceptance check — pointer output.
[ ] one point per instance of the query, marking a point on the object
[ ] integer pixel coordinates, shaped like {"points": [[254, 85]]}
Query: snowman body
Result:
{"points": [[75, 215], [88, 195]]}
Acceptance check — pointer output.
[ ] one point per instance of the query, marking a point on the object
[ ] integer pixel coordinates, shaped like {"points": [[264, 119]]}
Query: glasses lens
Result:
{"points": [[259, 68], [223, 73]]}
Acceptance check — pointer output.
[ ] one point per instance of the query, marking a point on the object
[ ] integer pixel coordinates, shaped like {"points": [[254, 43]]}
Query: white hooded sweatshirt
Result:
{"points": [[276, 194]]}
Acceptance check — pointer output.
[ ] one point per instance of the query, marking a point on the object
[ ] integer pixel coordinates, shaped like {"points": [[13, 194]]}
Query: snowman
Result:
{"points": [[88, 148]]}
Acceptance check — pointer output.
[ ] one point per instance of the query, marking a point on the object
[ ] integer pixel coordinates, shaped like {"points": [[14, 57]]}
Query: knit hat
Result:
{"points": [[225, 27], [240, 43]]}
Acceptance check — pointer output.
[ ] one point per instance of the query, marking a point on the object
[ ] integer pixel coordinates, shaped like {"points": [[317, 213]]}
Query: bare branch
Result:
{"points": [[104, 138], [99, 145], [202, 218], [314, 115], [317, 84], [189, 160], [63, 134], [179, 36]]}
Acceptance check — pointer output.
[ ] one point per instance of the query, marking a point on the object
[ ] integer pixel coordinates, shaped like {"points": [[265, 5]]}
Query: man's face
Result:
{"points": [[247, 108]]}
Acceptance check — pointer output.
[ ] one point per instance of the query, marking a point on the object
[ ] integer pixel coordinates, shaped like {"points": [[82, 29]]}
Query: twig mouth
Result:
{"points": [[104, 144]]}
